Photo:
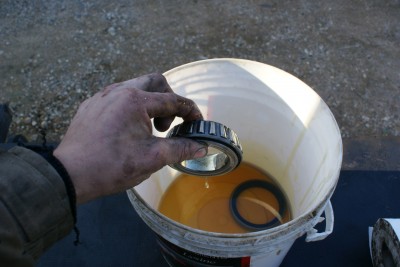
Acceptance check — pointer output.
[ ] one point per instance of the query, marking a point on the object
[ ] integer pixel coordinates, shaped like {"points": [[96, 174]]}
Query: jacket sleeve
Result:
{"points": [[34, 207]]}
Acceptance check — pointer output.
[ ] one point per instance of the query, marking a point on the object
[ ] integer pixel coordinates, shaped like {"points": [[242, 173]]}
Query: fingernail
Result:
{"points": [[202, 152]]}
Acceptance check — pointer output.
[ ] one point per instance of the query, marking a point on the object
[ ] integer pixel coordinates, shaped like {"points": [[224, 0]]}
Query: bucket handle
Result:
{"points": [[313, 235]]}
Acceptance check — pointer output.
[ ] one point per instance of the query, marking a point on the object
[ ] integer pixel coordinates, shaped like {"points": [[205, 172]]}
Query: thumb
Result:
{"points": [[177, 149]]}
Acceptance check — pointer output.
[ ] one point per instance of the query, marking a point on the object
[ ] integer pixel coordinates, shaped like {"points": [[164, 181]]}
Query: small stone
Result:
{"points": [[111, 31], [27, 120], [365, 118], [44, 124]]}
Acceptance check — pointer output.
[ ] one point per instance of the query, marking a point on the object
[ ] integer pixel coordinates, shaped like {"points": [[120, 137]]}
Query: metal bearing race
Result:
{"points": [[224, 149]]}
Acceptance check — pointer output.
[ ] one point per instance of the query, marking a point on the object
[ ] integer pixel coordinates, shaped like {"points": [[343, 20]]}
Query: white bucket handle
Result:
{"points": [[313, 235]]}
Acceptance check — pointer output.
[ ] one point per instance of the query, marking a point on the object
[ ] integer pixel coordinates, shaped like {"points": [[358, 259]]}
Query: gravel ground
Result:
{"points": [[55, 53]]}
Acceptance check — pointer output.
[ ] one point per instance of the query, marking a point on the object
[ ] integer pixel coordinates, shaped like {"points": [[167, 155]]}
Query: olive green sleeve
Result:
{"points": [[34, 207]]}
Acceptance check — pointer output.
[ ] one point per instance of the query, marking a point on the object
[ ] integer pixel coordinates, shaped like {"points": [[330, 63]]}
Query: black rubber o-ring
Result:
{"points": [[260, 184]]}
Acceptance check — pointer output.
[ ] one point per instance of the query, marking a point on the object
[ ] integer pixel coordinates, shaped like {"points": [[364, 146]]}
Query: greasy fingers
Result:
{"points": [[150, 83], [170, 104], [154, 92], [156, 83]]}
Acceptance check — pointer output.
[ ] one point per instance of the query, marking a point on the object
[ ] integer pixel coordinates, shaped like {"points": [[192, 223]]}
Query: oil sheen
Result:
{"points": [[203, 203]]}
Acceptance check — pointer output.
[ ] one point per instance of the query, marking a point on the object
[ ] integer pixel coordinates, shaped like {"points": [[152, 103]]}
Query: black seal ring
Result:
{"points": [[257, 184]]}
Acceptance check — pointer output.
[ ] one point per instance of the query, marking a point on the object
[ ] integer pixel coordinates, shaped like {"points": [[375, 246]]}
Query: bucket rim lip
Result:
{"points": [[225, 59]]}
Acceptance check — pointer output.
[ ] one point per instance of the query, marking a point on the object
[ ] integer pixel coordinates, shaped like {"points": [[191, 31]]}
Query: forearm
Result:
{"points": [[34, 207]]}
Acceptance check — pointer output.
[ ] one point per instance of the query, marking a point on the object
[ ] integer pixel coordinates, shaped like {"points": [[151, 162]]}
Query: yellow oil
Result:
{"points": [[203, 203]]}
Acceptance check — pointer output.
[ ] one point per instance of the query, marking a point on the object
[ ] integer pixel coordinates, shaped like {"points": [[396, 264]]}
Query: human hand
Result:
{"points": [[109, 146]]}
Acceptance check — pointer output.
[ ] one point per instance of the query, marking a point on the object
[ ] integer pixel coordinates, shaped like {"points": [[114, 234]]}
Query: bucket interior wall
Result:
{"points": [[284, 126]]}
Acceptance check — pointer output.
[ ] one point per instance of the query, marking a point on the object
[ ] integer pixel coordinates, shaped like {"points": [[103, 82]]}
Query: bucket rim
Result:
{"points": [[223, 59]]}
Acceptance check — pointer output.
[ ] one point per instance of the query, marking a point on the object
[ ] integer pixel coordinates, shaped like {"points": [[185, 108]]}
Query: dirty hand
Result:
{"points": [[109, 145]]}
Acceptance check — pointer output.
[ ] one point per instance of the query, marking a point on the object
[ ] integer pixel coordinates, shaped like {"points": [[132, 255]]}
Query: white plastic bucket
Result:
{"points": [[285, 129]]}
